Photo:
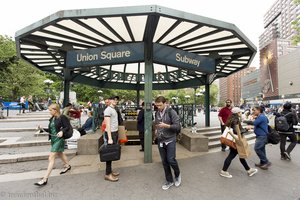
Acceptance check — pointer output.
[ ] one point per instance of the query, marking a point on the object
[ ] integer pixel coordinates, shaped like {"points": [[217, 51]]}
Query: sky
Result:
{"points": [[247, 15]]}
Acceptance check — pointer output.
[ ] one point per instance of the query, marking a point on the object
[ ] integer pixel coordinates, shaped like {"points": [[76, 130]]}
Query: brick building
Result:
{"points": [[230, 87]]}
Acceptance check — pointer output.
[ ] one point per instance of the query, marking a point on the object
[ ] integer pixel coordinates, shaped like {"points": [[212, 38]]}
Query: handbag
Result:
{"points": [[242, 145], [110, 152], [227, 139]]}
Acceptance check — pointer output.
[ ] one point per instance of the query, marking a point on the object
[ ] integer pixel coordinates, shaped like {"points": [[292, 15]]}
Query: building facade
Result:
{"points": [[275, 42], [230, 87], [251, 88]]}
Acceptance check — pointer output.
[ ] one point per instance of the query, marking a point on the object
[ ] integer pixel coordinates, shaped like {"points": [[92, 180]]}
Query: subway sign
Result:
{"points": [[175, 57], [113, 54]]}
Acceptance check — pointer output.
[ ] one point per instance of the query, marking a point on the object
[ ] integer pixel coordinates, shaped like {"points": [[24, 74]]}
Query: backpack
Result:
{"points": [[282, 124], [178, 131], [273, 136]]}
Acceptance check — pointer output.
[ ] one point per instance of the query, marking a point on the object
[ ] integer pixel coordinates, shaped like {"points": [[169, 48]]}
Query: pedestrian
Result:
{"points": [[58, 126], [261, 131], [22, 103], [233, 121], [111, 136], [223, 116], [66, 110], [1, 107], [167, 125], [140, 126], [291, 119], [87, 127]]}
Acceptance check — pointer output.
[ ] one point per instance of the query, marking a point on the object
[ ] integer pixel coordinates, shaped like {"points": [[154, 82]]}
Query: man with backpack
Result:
{"points": [[167, 127], [284, 122]]}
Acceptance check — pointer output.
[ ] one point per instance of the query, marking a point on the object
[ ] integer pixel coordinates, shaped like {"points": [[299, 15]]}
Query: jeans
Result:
{"points": [[223, 127], [114, 136], [168, 154], [230, 157], [293, 139], [260, 149]]}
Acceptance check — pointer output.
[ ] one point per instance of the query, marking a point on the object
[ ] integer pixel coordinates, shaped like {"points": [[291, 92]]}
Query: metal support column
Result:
{"points": [[207, 103], [67, 77], [138, 96]]}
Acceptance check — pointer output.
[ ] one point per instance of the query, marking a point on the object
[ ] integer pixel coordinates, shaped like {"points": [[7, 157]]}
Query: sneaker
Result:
{"points": [[167, 185], [283, 157], [287, 155], [223, 149], [178, 181], [252, 171], [225, 174]]}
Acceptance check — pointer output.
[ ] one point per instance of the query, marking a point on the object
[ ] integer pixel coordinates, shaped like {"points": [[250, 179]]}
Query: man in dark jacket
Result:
{"points": [[140, 126], [292, 119], [167, 124]]}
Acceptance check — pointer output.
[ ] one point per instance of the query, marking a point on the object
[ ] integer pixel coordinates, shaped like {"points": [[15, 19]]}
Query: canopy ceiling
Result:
{"points": [[45, 44]]}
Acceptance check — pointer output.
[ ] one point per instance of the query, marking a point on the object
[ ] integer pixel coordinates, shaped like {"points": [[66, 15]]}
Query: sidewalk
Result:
{"points": [[200, 180]]}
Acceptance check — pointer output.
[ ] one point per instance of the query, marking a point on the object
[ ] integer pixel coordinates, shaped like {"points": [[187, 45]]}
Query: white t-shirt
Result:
{"points": [[112, 113]]}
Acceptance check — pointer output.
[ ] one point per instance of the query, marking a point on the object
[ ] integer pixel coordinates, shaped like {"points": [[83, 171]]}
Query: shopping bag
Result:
{"points": [[227, 139], [122, 135], [242, 145]]}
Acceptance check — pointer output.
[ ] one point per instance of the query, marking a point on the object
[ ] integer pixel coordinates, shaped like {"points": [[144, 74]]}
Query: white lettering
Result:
{"points": [[115, 54], [86, 57], [185, 59]]}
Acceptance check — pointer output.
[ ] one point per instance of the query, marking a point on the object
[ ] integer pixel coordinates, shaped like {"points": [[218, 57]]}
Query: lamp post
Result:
{"points": [[48, 82], [187, 97]]}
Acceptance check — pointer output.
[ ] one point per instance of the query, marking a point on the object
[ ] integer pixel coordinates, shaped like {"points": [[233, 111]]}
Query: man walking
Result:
{"points": [[167, 125], [111, 136], [224, 114], [284, 122]]}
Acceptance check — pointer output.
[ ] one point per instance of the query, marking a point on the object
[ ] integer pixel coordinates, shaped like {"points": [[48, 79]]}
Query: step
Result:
{"points": [[30, 156], [17, 129], [23, 120], [24, 144], [217, 143], [208, 129], [211, 133], [217, 137]]}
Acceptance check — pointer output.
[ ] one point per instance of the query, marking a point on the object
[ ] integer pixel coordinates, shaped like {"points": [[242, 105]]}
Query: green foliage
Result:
{"points": [[296, 26]]}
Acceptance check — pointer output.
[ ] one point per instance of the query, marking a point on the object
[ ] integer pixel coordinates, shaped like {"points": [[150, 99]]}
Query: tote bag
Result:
{"points": [[242, 145], [227, 139]]}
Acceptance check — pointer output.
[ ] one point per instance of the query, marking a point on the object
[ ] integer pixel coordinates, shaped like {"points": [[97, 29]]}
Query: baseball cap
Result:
{"points": [[236, 110]]}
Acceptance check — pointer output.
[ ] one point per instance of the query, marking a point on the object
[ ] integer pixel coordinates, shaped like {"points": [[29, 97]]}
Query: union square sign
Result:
{"points": [[134, 52]]}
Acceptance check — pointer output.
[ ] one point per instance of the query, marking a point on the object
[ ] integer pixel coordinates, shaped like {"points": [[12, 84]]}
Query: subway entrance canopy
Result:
{"points": [[135, 48]]}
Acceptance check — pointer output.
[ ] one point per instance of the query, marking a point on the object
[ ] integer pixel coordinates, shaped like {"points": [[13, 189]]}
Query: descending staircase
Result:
{"points": [[214, 133]]}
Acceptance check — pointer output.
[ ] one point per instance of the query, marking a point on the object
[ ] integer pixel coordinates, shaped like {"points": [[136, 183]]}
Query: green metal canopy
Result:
{"points": [[186, 38], [136, 48]]}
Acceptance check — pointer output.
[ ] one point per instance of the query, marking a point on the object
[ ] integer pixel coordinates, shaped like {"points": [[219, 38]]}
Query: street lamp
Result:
{"points": [[174, 99], [187, 97], [48, 82]]}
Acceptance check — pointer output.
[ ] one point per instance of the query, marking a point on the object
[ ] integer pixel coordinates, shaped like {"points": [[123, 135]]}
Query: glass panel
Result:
{"points": [[132, 68], [25, 46], [137, 25], [56, 44], [43, 61], [73, 25], [118, 25], [67, 33], [158, 68], [182, 27], [96, 24], [208, 38], [164, 24], [195, 33], [118, 68], [214, 43]]}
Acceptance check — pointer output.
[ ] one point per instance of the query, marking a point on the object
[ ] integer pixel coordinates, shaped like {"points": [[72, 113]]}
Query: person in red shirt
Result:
{"points": [[224, 114]]}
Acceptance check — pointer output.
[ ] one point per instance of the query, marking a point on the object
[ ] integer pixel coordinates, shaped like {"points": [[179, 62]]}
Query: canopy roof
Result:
{"points": [[45, 45]]}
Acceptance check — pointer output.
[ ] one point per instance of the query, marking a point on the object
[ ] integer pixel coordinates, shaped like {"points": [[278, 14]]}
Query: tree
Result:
{"points": [[296, 26]]}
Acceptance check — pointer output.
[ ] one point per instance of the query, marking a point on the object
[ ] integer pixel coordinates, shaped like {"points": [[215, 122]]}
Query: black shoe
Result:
{"points": [[41, 182], [258, 164], [65, 169], [223, 149], [283, 157], [141, 150]]}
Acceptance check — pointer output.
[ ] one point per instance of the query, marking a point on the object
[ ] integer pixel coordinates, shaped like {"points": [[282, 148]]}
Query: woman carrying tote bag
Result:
{"points": [[233, 122]]}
